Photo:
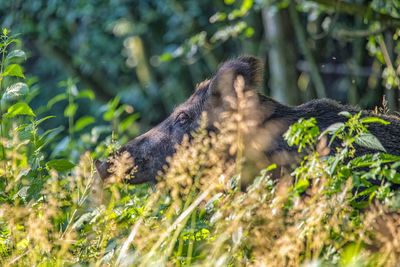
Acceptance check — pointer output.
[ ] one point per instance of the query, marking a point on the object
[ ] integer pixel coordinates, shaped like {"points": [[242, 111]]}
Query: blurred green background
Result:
{"points": [[151, 54]]}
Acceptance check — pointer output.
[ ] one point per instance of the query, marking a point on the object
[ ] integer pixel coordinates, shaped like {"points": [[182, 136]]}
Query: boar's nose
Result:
{"points": [[140, 161], [102, 169]]}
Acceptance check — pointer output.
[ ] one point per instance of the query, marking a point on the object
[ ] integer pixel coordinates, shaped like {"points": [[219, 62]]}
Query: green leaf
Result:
{"points": [[21, 108], [60, 165], [61, 146], [350, 254], [108, 116], [23, 244], [219, 16], [301, 185], [83, 122], [271, 167], [374, 120], [13, 70], [369, 159], [56, 99], [249, 32], [70, 110], [370, 141], [44, 119], [345, 113], [392, 175], [86, 94], [15, 91], [332, 167], [48, 136], [16, 54], [115, 102], [128, 122], [333, 128], [165, 57]]}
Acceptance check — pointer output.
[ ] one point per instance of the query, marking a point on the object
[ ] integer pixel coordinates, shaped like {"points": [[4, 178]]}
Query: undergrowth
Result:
{"points": [[334, 209]]}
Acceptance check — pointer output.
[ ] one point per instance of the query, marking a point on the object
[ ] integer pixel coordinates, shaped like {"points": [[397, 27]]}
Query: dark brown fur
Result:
{"points": [[150, 150]]}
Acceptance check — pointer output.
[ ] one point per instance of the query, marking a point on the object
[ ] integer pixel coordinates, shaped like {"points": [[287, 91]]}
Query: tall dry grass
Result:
{"points": [[198, 214]]}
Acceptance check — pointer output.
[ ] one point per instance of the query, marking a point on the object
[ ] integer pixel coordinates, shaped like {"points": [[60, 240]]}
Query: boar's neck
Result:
{"points": [[326, 112], [275, 110]]}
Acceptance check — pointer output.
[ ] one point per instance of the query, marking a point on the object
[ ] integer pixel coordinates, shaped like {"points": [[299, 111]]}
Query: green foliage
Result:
{"points": [[151, 56], [391, 7], [35, 165], [302, 134], [53, 210], [56, 213], [60, 165], [373, 175]]}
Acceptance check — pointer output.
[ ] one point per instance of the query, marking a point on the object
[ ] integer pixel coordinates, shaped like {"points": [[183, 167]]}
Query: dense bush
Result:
{"points": [[334, 209]]}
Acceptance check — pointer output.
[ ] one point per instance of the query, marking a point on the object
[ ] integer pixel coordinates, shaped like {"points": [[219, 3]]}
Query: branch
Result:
{"points": [[352, 34], [359, 10]]}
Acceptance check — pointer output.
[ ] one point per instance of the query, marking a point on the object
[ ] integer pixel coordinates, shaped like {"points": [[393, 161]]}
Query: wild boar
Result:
{"points": [[149, 151]]}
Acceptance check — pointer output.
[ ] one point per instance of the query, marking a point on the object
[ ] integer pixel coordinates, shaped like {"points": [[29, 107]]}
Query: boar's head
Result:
{"points": [[149, 151]]}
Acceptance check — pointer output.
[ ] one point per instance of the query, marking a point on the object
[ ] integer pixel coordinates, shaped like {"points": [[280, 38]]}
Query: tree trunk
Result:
{"points": [[281, 57], [302, 43], [391, 93]]}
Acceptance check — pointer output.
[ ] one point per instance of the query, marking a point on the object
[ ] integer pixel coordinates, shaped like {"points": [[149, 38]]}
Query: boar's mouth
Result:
{"points": [[114, 169]]}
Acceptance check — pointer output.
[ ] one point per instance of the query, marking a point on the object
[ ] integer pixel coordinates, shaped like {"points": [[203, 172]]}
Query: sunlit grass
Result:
{"points": [[326, 212]]}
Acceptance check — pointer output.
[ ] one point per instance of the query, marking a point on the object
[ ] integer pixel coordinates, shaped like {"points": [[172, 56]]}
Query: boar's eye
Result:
{"points": [[182, 119]]}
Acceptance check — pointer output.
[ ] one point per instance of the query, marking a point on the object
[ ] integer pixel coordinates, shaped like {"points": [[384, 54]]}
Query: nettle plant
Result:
{"points": [[121, 116], [46, 176], [17, 119], [25, 165], [21, 124], [372, 175]]}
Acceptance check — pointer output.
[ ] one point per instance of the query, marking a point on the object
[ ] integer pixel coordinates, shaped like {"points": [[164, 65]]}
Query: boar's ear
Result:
{"points": [[250, 68], [232, 90], [222, 85], [102, 169]]}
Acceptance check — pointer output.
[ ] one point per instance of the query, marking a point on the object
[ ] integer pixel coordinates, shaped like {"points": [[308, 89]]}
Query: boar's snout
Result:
{"points": [[102, 169], [147, 154]]}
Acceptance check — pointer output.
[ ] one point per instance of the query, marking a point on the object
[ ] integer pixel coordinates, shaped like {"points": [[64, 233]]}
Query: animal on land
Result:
{"points": [[150, 150]]}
